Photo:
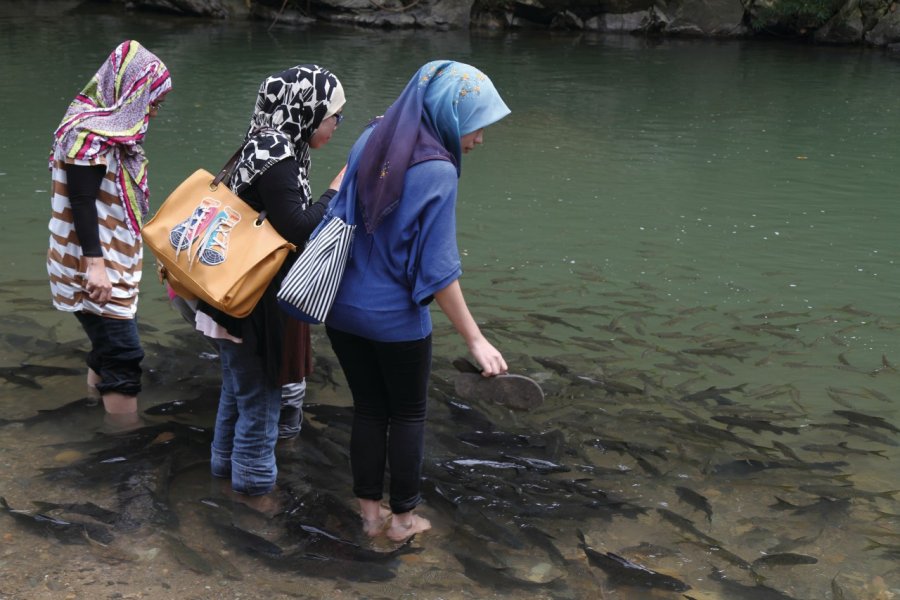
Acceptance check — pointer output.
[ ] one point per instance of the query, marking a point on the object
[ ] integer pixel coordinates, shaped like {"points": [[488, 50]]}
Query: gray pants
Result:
{"points": [[291, 417]]}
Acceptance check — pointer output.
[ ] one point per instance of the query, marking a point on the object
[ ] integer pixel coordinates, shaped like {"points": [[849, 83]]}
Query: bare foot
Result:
{"points": [[406, 525], [268, 505], [375, 516]]}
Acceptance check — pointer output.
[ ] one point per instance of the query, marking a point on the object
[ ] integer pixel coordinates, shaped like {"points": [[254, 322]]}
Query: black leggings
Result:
{"points": [[389, 383]]}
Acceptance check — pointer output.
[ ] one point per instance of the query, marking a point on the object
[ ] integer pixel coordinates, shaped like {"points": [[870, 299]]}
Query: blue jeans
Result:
{"points": [[115, 354], [246, 429], [389, 384]]}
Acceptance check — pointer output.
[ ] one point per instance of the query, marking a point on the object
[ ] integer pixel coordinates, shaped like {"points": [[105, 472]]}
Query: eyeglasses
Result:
{"points": [[338, 117]]}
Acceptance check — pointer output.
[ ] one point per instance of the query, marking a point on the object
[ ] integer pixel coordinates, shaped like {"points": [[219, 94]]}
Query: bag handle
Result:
{"points": [[226, 171], [225, 174]]}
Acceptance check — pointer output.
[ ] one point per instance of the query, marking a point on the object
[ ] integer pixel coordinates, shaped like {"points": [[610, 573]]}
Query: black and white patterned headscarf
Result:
{"points": [[289, 108]]}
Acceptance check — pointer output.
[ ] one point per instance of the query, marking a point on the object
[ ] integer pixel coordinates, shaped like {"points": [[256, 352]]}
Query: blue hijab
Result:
{"points": [[444, 101]]}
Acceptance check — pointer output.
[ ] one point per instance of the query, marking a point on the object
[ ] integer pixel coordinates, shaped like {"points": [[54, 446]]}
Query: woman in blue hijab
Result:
{"points": [[402, 181]]}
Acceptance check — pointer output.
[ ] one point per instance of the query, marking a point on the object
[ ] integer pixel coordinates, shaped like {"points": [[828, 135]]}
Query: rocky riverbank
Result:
{"points": [[845, 22]]}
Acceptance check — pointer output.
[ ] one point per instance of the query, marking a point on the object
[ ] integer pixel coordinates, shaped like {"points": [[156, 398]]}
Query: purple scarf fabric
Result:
{"points": [[443, 101]]}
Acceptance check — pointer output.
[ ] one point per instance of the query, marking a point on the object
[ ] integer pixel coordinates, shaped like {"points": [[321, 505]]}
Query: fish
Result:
{"points": [[754, 425], [824, 507], [841, 448], [554, 365], [837, 592], [784, 559], [553, 320], [313, 539], [88, 509], [749, 466], [713, 393], [840, 492], [537, 464], [622, 571], [790, 544], [542, 540], [858, 430], [878, 395], [735, 590], [58, 414], [695, 500], [498, 578], [868, 420], [187, 556], [648, 550], [714, 433], [888, 550], [67, 532], [610, 386], [241, 538], [786, 451], [25, 373], [718, 551], [685, 525]]}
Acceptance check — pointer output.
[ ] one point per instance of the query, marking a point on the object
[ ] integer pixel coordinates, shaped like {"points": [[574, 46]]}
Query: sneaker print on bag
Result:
{"points": [[214, 249], [183, 235], [204, 235]]}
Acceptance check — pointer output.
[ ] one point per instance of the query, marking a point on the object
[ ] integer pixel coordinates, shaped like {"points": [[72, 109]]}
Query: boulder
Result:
{"points": [[707, 18], [846, 27], [200, 8], [620, 23], [886, 32]]}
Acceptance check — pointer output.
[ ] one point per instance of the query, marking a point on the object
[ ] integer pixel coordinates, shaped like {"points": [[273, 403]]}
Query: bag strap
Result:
{"points": [[228, 169], [225, 175]]}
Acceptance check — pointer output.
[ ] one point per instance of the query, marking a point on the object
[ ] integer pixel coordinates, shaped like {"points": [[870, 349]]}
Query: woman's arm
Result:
{"points": [[452, 303], [280, 192], [83, 182]]}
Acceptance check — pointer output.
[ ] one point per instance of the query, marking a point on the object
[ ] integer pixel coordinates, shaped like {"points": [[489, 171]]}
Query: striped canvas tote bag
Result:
{"points": [[310, 287]]}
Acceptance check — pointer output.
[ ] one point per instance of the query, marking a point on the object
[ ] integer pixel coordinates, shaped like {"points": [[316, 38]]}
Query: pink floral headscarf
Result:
{"points": [[111, 114]]}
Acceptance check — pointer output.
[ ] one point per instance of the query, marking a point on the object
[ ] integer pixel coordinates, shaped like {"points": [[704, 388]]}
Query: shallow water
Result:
{"points": [[653, 220]]}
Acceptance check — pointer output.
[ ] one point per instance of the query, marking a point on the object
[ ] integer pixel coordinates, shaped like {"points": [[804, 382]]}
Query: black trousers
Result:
{"points": [[116, 353], [389, 384]]}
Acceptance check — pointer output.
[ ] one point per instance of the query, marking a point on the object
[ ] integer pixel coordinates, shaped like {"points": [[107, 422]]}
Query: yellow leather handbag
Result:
{"points": [[213, 246]]}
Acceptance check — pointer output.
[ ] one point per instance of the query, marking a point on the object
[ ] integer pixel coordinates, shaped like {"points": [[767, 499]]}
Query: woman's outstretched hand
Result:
{"points": [[488, 358]]}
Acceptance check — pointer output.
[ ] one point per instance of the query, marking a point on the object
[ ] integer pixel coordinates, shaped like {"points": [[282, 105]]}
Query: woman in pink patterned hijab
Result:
{"points": [[99, 200]]}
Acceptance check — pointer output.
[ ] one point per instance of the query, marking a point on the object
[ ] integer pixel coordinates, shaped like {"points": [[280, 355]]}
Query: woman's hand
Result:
{"points": [[488, 358], [97, 284]]}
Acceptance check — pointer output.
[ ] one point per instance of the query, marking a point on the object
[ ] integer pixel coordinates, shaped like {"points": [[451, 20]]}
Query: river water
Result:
{"points": [[690, 244]]}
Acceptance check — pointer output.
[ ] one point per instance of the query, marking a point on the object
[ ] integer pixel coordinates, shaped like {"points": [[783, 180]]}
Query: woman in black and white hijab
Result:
{"points": [[296, 109]]}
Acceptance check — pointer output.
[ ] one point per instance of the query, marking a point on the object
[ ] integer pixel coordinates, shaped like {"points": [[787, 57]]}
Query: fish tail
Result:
{"points": [[873, 544], [578, 531]]}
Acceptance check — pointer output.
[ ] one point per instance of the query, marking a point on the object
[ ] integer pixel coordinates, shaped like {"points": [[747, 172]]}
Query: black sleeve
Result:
{"points": [[280, 193], [84, 184]]}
